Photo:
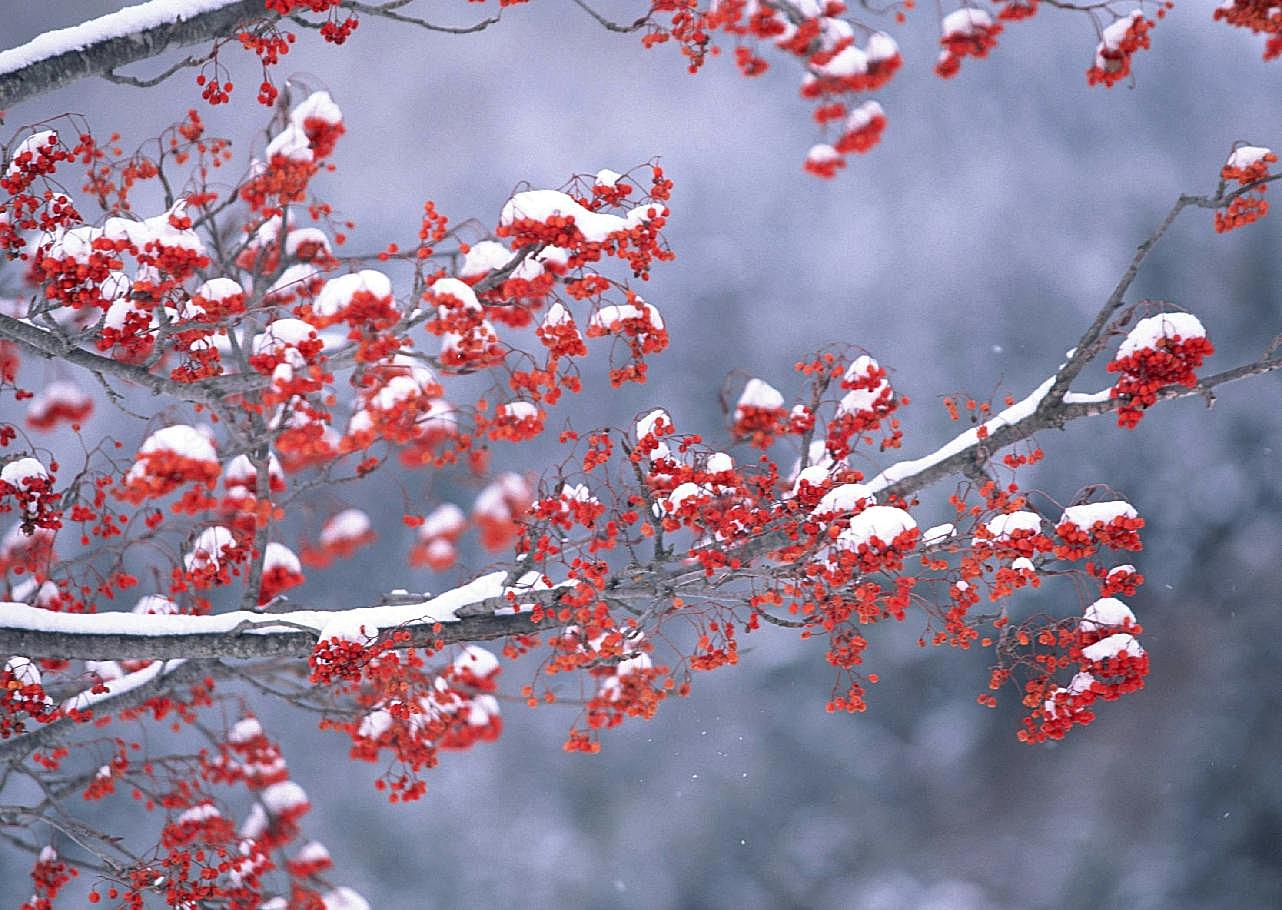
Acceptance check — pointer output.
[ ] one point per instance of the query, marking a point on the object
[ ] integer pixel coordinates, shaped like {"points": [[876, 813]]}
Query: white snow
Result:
{"points": [[346, 525], [477, 661], [244, 730], [862, 399], [312, 852], [493, 500], [647, 424], [32, 143], [16, 472], [279, 556], [446, 519], [207, 548], [576, 492], [1107, 611], [1148, 332], [1000, 527], [965, 21], [199, 813], [24, 670], [284, 796], [883, 522], [610, 316], [1114, 34], [557, 315], [1245, 156], [822, 153], [482, 709], [338, 292], [155, 605], [308, 235], [518, 410], [294, 279], [290, 143], [760, 394], [240, 471], [1099, 397], [219, 289], [106, 670], [881, 47], [316, 106], [375, 724], [937, 533], [687, 490], [1088, 514], [540, 205], [849, 61], [180, 439], [816, 475], [607, 177], [1079, 684], [844, 498], [719, 463], [460, 291], [344, 898], [1105, 648], [255, 823], [281, 334], [484, 257], [328, 623], [859, 118]]}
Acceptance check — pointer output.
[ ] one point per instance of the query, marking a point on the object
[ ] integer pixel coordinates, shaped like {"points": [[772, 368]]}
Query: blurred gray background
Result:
{"points": [[968, 251]]}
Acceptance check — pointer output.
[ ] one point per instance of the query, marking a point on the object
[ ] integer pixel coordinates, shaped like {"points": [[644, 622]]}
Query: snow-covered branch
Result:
{"points": [[478, 611], [98, 46]]}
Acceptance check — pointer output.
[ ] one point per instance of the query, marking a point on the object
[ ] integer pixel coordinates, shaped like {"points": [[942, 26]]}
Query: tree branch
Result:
{"points": [[99, 46], [245, 635], [169, 676], [48, 344]]}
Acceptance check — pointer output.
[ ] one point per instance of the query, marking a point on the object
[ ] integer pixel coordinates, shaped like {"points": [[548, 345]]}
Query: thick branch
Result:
{"points": [[100, 45], [116, 636], [451, 619], [47, 344]]}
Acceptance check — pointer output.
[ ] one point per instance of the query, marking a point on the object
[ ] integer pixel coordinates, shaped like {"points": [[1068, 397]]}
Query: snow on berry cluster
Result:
{"points": [[1160, 351], [1247, 165], [1118, 43]]}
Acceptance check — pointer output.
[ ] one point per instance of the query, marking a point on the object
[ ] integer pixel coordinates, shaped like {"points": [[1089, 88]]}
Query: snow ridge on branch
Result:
{"points": [[98, 46]]}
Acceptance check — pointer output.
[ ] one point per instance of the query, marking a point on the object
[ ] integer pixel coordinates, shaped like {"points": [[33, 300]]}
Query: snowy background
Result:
{"points": [[968, 250]]}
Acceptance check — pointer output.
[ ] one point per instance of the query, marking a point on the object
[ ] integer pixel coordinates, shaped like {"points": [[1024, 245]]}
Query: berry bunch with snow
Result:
{"points": [[1160, 351], [1118, 43], [1247, 165], [965, 32]]}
